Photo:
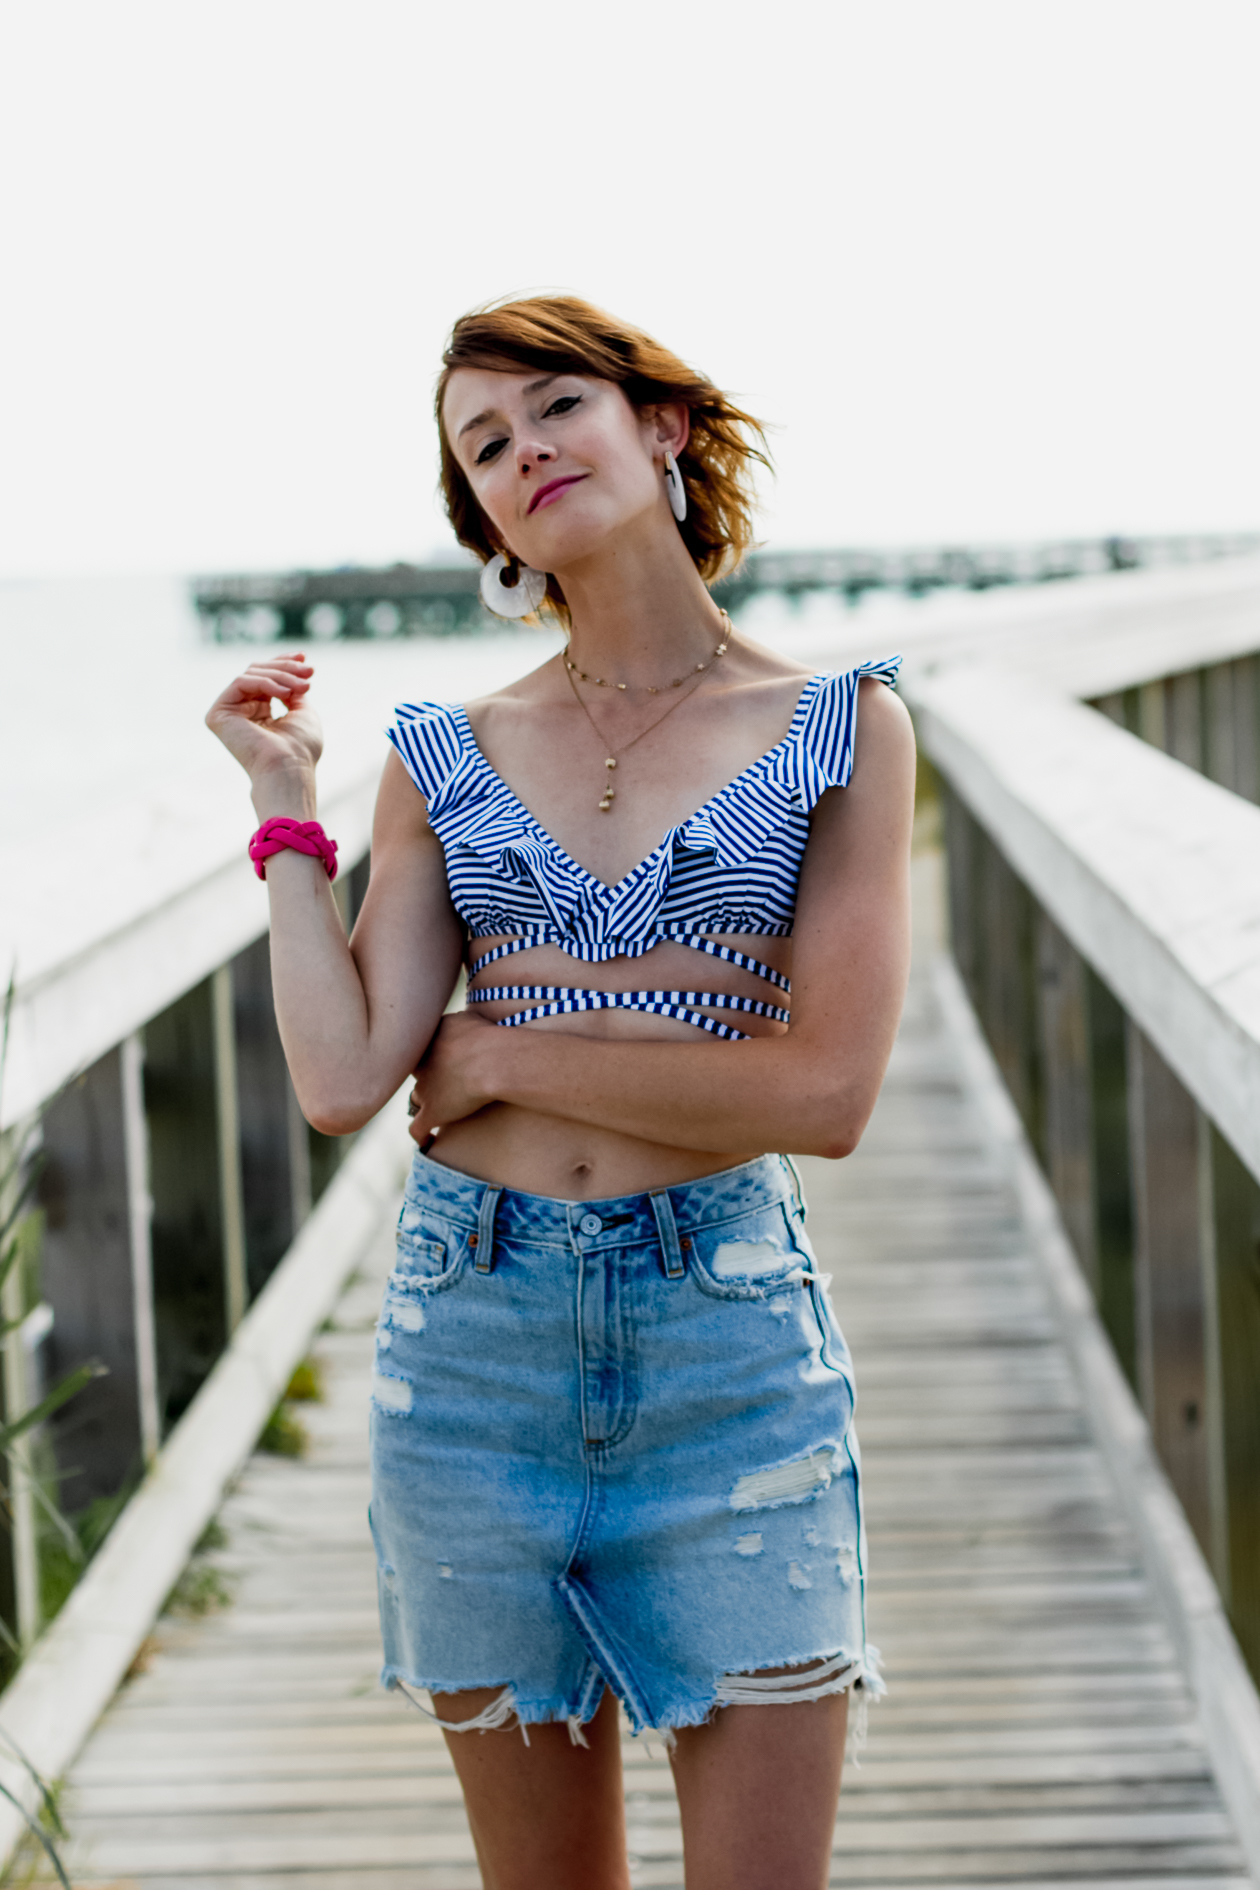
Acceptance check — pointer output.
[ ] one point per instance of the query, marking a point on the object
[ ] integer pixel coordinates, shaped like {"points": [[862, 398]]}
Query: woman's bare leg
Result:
{"points": [[547, 1816], [758, 1789]]}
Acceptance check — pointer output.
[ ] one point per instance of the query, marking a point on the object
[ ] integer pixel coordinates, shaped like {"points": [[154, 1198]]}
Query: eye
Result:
{"points": [[490, 451], [563, 404]]}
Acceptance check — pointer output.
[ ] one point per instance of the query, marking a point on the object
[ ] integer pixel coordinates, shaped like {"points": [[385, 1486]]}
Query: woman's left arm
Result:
{"points": [[809, 1091]]}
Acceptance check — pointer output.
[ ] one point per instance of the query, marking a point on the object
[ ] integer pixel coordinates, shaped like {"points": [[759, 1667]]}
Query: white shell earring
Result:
{"points": [[512, 600], [675, 488]]}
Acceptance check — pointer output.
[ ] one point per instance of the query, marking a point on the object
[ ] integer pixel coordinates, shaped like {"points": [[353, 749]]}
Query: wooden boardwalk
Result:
{"points": [[1038, 1729]]}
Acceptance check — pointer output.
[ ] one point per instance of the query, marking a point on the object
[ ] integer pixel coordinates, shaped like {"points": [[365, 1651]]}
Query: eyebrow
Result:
{"points": [[533, 387]]}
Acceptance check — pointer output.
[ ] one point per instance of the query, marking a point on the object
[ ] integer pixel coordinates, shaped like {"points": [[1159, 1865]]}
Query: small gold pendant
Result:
{"points": [[609, 792]]}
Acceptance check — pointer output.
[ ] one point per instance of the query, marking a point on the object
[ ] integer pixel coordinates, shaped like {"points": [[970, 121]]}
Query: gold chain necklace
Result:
{"points": [[605, 805], [602, 682]]}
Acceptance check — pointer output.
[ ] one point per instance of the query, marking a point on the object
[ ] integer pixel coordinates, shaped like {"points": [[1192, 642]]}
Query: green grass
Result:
{"points": [[307, 1383], [61, 1562], [35, 1859], [201, 1589], [284, 1435], [213, 1536]]}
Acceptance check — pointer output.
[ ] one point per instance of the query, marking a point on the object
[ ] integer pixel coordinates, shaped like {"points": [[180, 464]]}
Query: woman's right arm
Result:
{"points": [[355, 1015]]}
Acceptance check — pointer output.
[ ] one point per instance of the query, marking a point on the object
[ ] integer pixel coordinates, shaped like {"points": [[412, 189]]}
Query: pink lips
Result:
{"points": [[545, 494]]}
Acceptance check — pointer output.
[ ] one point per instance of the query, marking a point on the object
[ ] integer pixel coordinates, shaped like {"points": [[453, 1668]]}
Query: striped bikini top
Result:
{"points": [[732, 867]]}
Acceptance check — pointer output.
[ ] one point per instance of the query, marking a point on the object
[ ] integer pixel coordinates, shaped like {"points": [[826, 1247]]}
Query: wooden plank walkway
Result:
{"points": [[1038, 1730]]}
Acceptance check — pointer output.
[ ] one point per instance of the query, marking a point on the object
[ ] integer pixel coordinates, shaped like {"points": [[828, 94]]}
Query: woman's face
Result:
{"points": [[559, 463]]}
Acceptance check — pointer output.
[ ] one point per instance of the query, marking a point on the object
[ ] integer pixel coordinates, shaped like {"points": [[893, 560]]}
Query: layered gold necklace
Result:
{"points": [[697, 669]]}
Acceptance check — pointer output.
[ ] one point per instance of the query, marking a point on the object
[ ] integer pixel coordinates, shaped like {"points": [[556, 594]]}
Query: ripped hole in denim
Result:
{"points": [[816, 1680], [789, 1686], [496, 1717], [793, 1482], [406, 1314], [746, 1259], [391, 1394]]}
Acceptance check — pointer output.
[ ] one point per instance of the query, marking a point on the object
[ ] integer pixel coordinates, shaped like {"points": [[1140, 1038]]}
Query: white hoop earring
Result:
{"points": [[512, 600], [675, 488]]}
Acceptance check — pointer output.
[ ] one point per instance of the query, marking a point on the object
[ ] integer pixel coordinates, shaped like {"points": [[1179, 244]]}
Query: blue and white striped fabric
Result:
{"points": [[731, 867]]}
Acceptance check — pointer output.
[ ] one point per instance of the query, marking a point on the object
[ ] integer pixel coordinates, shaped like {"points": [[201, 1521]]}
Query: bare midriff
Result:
{"points": [[535, 1153]]}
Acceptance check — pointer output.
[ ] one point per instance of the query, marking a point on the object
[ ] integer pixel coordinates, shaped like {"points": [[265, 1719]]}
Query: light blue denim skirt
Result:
{"points": [[613, 1446]]}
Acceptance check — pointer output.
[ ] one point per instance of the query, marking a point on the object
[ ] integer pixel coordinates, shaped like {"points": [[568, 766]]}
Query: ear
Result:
{"points": [[669, 425]]}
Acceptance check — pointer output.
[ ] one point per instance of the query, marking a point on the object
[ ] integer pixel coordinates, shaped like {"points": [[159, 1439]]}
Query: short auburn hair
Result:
{"points": [[562, 334]]}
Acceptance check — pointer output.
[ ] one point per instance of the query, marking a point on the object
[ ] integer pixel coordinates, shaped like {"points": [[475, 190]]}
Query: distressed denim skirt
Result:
{"points": [[613, 1446]]}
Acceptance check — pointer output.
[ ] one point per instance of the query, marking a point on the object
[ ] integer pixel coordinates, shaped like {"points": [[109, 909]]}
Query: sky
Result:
{"points": [[988, 267]]}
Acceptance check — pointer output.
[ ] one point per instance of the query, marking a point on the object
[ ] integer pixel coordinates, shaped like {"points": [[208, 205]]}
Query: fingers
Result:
{"points": [[288, 675], [421, 1126], [284, 678]]}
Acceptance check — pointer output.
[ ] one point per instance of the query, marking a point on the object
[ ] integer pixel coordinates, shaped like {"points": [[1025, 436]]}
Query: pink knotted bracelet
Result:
{"points": [[304, 836]]}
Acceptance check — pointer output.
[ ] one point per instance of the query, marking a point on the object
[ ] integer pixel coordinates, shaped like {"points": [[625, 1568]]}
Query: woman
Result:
{"points": [[612, 1417]]}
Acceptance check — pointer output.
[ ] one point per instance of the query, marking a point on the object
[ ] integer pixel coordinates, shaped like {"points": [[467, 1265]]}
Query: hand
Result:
{"points": [[452, 1080], [242, 719]]}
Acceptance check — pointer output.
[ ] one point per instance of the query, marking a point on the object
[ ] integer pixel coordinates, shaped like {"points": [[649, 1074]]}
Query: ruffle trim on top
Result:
{"points": [[470, 806]]}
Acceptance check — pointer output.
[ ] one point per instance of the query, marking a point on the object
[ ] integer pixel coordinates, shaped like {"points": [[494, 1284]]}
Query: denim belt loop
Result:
{"points": [[485, 1230], [798, 1186], [667, 1228]]}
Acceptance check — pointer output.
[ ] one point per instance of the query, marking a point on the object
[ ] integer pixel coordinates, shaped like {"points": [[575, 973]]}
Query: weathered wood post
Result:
{"points": [[1151, 720], [1220, 759], [1169, 1276], [961, 844], [1113, 1192], [1008, 983], [274, 1138], [1069, 1101], [182, 1106], [19, 1584], [1232, 718], [228, 1122], [1183, 718], [139, 1220], [1230, 1223], [1083, 1100], [1247, 727], [95, 1276]]}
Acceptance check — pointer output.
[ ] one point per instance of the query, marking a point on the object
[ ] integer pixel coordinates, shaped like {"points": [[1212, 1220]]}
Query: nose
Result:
{"points": [[529, 456]]}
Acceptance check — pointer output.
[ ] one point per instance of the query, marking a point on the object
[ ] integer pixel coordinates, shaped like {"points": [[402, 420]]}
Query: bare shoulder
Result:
{"points": [[769, 661], [400, 813], [755, 663], [877, 806], [884, 726], [527, 691], [760, 687]]}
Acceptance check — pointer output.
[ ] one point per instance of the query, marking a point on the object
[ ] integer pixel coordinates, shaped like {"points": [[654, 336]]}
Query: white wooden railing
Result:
{"points": [[194, 1231], [1105, 920]]}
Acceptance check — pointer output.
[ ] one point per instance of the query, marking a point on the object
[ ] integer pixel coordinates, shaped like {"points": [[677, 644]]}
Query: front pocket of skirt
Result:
{"points": [[421, 1259], [427, 1256], [749, 1258]]}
